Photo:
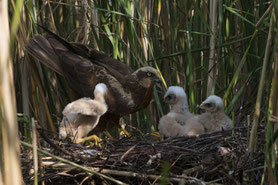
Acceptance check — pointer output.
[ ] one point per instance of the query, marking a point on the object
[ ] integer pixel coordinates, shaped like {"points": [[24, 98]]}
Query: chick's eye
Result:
{"points": [[149, 74], [209, 105], [167, 98], [170, 97]]}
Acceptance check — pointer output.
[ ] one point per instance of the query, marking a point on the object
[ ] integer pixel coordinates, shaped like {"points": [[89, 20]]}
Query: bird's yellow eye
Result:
{"points": [[149, 74]]}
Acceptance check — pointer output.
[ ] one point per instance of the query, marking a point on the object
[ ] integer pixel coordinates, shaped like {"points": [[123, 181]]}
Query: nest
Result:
{"points": [[217, 158]]}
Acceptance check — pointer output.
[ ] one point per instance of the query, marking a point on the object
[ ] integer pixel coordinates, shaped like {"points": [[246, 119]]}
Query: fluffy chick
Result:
{"points": [[82, 115], [214, 119], [194, 126], [171, 124]]}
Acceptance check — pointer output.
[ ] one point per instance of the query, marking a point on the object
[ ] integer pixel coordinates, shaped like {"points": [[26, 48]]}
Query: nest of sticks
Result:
{"points": [[217, 158]]}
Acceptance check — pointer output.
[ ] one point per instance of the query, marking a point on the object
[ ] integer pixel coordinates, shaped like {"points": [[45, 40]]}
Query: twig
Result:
{"points": [[59, 148], [173, 178], [194, 169], [264, 15], [89, 170], [214, 182], [230, 177], [129, 150]]}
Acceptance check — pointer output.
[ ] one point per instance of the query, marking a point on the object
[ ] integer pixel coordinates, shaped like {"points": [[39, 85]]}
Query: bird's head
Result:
{"points": [[100, 91], [175, 94], [212, 104], [147, 76]]}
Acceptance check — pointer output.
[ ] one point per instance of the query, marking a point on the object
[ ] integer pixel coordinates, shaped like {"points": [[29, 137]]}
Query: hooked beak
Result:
{"points": [[157, 80], [201, 107]]}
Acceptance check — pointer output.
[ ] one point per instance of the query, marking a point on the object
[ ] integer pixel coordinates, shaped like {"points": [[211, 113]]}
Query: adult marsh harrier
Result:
{"points": [[84, 67]]}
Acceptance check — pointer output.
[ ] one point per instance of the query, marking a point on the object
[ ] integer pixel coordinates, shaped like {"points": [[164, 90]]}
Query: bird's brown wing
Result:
{"points": [[84, 68], [84, 76], [102, 59], [84, 73], [47, 48]]}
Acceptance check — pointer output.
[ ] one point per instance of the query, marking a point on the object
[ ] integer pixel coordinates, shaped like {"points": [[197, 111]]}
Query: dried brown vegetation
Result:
{"points": [[217, 158]]}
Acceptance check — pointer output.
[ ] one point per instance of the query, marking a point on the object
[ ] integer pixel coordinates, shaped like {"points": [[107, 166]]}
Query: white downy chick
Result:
{"points": [[82, 115], [171, 124]]}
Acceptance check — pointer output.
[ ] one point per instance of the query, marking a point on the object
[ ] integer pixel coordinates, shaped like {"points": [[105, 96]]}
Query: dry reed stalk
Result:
{"points": [[212, 59], [274, 89], [1, 179], [253, 137], [8, 123]]}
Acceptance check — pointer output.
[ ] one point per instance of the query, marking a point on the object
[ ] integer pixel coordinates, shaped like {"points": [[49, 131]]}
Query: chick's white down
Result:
{"points": [[214, 119], [180, 122], [82, 115], [171, 124]]}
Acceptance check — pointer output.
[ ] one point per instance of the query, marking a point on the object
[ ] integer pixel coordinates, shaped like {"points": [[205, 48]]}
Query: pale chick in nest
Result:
{"points": [[171, 124], [214, 119], [82, 115]]}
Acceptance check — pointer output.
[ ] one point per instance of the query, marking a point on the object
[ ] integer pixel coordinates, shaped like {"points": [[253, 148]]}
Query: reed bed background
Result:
{"points": [[227, 48]]}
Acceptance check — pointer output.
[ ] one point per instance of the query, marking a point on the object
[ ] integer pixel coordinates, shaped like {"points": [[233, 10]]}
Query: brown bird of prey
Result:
{"points": [[171, 124], [214, 119], [82, 115], [83, 68]]}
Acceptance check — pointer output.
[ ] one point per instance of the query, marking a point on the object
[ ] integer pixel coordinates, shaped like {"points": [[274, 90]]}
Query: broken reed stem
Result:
{"points": [[35, 151], [73, 164], [264, 15], [248, 129], [233, 123], [253, 137]]}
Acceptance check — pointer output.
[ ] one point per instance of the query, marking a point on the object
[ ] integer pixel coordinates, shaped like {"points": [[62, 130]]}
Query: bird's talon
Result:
{"points": [[157, 135], [126, 132], [97, 140]]}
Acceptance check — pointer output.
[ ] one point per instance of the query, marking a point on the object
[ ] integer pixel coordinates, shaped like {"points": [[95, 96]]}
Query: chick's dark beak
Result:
{"points": [[198, 109], [202, 106]]}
